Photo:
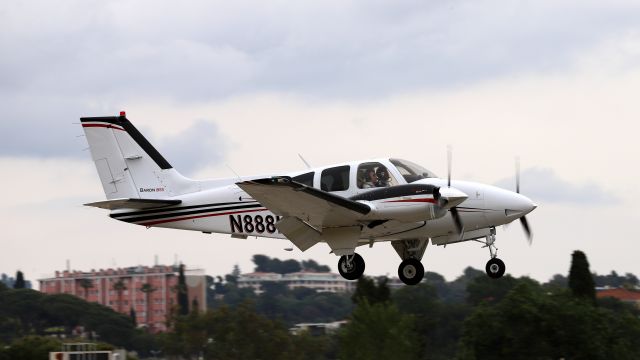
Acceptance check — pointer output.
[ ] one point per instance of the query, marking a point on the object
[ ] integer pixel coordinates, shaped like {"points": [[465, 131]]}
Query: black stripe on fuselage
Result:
{"points": [[166, 209], [183, 213], [135, 135], [395, 191]]}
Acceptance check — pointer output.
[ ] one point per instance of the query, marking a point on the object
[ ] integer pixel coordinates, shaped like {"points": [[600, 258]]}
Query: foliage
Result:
{"points": [[19, 284], [26, 312], [529, 323], [373, 292], [29, 348], [183, 297], [266, 264], [615, 280], [580, 278], [378, 331], [437, 323], [226, 333], [85, 284]]}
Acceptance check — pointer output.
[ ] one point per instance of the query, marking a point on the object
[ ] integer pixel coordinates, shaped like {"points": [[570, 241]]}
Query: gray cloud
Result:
{"points": [[544, 185], [62, 61], [200, 145], [207, 50]]}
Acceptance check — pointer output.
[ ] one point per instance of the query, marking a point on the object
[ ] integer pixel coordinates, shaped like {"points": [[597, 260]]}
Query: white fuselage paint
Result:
{"points": [[486, 207]]}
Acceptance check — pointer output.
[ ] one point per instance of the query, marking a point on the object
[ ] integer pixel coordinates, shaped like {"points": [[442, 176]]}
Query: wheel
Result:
{"points": [[411, 271], [495, 268], [353, 270]]}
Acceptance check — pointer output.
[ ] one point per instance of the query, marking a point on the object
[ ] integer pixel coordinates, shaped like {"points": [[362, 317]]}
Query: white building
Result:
{"points": [[319, 281]]}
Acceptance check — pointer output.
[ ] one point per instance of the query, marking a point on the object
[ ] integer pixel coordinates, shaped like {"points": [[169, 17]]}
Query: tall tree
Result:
{"points": [[183, 296], [119, 286], [147, 289], [86, 284], [19, 284], [580, 279], [133, 316]]}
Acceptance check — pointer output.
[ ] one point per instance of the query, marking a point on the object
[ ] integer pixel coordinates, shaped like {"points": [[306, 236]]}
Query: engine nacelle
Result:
{"points": [[410, 202]]}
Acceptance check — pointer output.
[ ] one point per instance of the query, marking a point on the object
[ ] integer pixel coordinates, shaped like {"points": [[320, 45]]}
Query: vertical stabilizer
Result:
{"points": [[128, 165]]}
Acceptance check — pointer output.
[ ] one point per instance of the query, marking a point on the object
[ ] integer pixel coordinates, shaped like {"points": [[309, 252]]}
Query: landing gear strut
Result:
{"points": [[411, 271], [351, 267], [495, 267]]}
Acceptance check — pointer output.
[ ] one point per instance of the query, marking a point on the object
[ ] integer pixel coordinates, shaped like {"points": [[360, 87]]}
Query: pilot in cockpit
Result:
{"points": [[382, 177], [370, 179]]}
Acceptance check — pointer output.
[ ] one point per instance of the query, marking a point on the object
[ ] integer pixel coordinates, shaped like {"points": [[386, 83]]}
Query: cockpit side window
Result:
{"points": [[374, 174], [305, 179], [410, 171], [335, 178]]}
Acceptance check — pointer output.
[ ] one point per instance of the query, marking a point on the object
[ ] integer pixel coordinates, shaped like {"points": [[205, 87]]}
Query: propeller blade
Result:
{"points": [[527, 229], [448, 165], [518, 175], [456, 220]]}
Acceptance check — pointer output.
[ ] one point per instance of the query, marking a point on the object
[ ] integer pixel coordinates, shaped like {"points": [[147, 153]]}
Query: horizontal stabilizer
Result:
{"points": [[126, 203]]}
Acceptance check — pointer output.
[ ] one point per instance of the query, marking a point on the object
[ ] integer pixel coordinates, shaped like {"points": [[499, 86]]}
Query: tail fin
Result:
{"points": [[128, 165]]}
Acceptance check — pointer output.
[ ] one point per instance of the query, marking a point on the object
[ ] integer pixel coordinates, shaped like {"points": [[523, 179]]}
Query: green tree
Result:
{"points": [[183, 296], [312, 265], [580, 279], [19, 284], [378, 331], [133, 316], [147, 289], [30, 348], [85, 284], [119, 286], [227, 333], [530, 323], [372, 291]]}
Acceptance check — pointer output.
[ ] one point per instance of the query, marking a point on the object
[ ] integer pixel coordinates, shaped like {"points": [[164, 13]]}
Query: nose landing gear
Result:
{"points": [[495, 267]]}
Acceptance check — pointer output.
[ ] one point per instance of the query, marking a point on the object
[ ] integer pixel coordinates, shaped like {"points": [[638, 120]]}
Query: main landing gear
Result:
{"points": [[351, 267], [495, 267], [411, 271]]}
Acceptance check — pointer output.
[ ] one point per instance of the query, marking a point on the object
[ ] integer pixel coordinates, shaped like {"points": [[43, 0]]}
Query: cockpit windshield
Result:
{"points": [[410, 171]]}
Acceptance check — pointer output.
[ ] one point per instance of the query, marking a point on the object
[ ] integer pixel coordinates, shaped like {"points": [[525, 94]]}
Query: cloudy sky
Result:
{"points": [[250, 84]]}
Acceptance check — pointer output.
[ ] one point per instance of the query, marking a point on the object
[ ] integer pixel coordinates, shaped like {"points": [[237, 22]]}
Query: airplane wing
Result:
{"points": [[318, 208]]}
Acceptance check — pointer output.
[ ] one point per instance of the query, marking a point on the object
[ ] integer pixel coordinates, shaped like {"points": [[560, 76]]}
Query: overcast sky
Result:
{"points": [[250, 84]]}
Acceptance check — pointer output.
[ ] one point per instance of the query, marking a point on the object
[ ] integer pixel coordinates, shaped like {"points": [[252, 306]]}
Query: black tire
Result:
{"points": [[495, 268], [355, 271], [411, 271]]}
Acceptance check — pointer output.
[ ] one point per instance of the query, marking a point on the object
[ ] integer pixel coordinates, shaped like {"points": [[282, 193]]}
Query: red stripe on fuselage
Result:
{"points": [[108, 126], [156, 222], [433, 201]]}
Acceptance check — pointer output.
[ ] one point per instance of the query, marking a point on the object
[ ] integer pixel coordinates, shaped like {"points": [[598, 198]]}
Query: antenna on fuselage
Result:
{"points": [[304, 161], [233, 171]]}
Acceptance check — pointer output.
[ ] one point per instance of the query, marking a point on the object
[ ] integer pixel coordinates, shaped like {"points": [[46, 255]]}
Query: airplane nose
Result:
{"points": [[524, 204], [519, 205]]}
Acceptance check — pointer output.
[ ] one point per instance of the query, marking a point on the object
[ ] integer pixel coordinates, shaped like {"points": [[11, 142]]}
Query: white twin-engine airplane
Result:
{"points": [[345, 205]]}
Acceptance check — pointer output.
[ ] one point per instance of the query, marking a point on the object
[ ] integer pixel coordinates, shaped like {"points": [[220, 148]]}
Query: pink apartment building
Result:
{"points": [[150, 291]]}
